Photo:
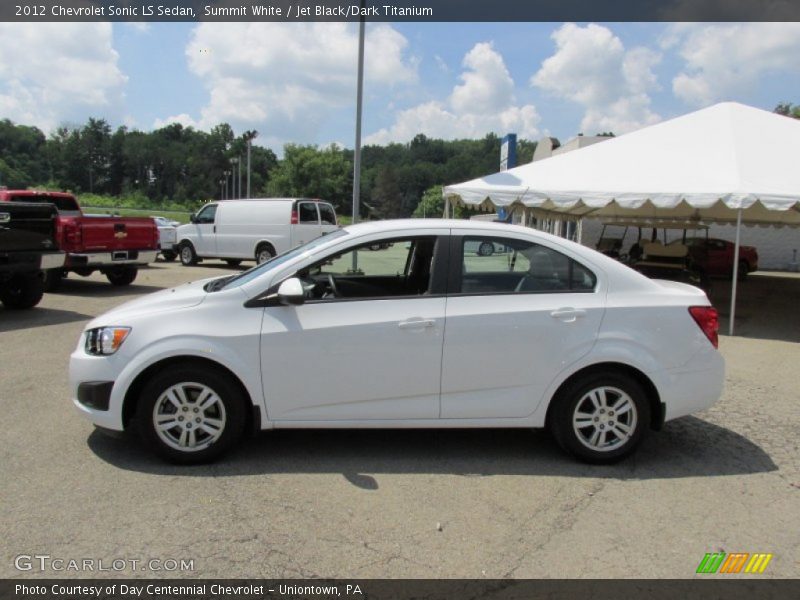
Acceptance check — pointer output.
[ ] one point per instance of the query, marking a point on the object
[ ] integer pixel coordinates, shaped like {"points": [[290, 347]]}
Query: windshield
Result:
{"points": [[258, 270]]}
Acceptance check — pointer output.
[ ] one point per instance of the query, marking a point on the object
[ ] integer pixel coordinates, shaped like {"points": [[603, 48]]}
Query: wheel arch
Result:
{"points": [[657, 408], [263, 242], [130, 402]]}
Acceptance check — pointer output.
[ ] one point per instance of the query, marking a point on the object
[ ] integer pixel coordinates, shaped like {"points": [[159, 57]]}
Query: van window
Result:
{"points": [[308, 213], [207, 214], [327, 214]]}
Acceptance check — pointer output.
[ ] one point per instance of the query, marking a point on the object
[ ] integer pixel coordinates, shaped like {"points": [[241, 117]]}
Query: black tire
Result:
{"points": [[486, 249], [577, 440], [264, 252], [122, 275], [744, 270], [187, 254], [22, 291], [194, 378], [169, 255], [53, 279], [233, 262]]}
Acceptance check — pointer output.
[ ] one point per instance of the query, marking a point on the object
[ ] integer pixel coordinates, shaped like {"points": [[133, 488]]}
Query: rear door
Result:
{"points": [[308, 226], [515, 319]]}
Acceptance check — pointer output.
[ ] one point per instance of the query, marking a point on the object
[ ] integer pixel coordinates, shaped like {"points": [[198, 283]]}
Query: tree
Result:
{"points": [[787, 109], [307, 171], [387, 196]]}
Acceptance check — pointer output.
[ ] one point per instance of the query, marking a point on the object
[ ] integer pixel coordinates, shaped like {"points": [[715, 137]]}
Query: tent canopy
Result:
{"points": [[703, 166]]}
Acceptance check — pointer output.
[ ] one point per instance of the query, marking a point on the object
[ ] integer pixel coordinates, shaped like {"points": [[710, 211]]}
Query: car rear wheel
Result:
{"points": [[602, 418], [23, 290], [744, 269], [191, 415], [188, 255]]}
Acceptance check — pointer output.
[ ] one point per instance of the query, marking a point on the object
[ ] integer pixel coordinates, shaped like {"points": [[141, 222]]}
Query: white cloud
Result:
{"points": [[182, 119], [286, 79], [725, 60], [484, 102], [592, 67], [52, 73]]}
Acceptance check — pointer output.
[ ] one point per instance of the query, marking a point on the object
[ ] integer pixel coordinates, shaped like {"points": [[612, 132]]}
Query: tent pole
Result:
{"points": [[735, 271]]}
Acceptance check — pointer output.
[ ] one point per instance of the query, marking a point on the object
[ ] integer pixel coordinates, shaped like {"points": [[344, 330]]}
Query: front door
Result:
{"points": [[205, 239], [308, 227], [366, 345]]}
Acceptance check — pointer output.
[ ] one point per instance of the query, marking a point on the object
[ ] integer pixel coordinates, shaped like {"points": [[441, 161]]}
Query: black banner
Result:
{"points": [[400, 10], [376, 589]]}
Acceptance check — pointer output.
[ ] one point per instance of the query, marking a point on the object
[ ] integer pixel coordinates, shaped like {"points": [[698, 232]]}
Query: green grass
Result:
{"points": [[183, 217]]}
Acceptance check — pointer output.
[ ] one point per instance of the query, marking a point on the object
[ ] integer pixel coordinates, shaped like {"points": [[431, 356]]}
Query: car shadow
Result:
{"points": [[688, 447], [81, 287], [766, 306], [11, 320]]}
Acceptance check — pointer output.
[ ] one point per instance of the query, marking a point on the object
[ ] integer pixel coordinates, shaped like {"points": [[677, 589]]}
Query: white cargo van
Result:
{"points": [[257, 229]]}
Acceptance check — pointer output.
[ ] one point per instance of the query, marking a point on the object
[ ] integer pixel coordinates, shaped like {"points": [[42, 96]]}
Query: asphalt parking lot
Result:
{"points": [[425, 504]]}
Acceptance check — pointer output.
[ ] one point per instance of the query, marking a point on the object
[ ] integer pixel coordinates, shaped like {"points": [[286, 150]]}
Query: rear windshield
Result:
{"points": [[62, 203]]}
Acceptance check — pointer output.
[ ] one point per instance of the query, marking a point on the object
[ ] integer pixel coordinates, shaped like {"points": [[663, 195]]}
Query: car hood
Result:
{"points": [[183, 296]]}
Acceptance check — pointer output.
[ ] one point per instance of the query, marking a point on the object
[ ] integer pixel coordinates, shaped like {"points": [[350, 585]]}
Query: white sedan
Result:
{"points": [[331, 335]]}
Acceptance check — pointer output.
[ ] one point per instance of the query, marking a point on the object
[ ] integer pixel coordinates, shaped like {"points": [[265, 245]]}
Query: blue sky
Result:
{"points": [[296, 82]]}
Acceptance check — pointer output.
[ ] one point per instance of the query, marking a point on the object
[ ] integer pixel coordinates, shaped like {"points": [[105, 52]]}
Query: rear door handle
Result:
{"points": [[568, 315], [416, 324]]}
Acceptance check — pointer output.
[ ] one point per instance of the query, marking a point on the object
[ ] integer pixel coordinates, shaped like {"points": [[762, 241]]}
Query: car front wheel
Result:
{"points": [[191, 415], [601, 419]]}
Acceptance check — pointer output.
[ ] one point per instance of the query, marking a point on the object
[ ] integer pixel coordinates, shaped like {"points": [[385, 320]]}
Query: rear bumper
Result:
{"points": [[30, 262], [690, 390], [110, 259]]}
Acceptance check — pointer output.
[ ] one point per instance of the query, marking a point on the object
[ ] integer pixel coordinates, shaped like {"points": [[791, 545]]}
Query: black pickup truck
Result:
{"points": [[27, 248]]}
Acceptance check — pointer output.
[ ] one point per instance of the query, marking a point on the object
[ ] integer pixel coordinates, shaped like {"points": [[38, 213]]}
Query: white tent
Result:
{"points": [[726, 163]]}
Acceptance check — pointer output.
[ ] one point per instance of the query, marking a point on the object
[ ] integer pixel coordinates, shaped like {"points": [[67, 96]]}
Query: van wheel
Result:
{"points": [[486, 249], [263, 253], [233, 262], [23, 290], [188, 255], [602, 418], [191, 415], [122, 275]]}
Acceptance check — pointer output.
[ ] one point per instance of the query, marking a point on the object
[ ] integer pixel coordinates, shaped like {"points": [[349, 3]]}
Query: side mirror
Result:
{"points": [[291, 292], [193, 218]]}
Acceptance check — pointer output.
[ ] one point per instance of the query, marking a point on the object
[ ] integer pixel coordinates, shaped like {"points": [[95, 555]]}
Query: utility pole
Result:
{"points": [[249, 136], [357, 153]]}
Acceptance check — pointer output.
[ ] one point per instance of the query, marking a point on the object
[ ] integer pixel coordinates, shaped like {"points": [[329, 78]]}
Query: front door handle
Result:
{"points": [[568, 315], [416, 324]]}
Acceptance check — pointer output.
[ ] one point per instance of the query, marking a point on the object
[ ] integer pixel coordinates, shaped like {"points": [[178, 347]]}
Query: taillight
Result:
{"points": [[72, 233], [294, 220], [707, 319]]}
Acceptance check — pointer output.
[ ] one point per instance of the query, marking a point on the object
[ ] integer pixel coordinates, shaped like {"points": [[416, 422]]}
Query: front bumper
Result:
{"points": [[92, 382], [110, 259]]}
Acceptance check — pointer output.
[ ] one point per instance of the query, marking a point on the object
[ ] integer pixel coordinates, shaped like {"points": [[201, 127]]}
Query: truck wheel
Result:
{"points": [[53, 279], [169, 255], [22, 291], [122, 275], [601, 418], [191, 415], [188, 255], [263, 253]]}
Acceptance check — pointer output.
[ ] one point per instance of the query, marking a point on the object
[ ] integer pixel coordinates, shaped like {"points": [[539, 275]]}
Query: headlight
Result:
{"points": [[105, 340]]}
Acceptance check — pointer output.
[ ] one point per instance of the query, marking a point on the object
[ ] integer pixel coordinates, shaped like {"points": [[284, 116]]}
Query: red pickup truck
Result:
{"points": [[115, 246]]}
